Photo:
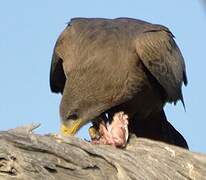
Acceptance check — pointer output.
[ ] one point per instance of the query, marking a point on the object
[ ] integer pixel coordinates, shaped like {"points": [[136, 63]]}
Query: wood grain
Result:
{"points": [[25, 155]]}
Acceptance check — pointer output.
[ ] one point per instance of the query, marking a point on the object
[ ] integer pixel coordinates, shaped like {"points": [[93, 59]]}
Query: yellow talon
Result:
{"points": [[94, 133]]}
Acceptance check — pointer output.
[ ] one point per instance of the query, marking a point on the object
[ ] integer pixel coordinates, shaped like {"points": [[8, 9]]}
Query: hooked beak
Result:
{"points": [[72, 128]]}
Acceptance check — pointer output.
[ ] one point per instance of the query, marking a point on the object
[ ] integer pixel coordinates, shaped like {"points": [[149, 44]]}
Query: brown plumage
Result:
{"points": [[111, 65]]}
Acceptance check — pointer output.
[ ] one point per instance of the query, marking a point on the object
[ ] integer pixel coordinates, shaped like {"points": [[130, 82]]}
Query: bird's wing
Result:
{"points": [[162, 57], [57, 74], [57, 77]]}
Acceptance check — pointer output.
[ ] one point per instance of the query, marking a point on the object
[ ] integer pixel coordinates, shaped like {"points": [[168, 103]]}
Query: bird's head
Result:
{"points": [[75, 114], [81, 102]]}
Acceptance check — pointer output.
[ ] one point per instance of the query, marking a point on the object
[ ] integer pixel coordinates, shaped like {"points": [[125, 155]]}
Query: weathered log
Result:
{"points": [[28, 156]]}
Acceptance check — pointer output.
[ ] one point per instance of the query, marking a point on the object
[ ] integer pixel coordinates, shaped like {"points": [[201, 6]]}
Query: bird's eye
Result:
{"points": [[72, 116]]}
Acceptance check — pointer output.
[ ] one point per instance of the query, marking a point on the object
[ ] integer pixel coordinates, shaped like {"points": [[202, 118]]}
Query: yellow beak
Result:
{"points": [[76, 125]]}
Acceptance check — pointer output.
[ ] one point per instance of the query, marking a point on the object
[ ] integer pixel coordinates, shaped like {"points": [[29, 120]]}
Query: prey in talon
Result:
{"points": [[114, 133]]}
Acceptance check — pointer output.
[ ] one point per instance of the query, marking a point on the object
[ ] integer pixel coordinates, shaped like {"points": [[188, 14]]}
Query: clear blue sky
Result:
{"points": [[29, 30]]}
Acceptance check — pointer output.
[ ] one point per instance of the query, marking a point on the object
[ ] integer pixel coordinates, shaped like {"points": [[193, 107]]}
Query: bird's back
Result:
{"points": [[101, 55]]}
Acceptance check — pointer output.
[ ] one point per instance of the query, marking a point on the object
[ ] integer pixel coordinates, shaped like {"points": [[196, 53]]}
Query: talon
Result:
{"points": [[94, 133]]}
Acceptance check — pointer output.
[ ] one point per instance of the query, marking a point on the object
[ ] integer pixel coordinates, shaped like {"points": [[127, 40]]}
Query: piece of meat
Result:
{"points": [[116, 133]]}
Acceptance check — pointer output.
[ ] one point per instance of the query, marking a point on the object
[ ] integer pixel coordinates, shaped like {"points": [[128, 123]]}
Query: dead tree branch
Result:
{"points": [[28, 156]]}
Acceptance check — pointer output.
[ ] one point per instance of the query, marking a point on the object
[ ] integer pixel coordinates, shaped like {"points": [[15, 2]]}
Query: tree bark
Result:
{"points": [[28, 156]]}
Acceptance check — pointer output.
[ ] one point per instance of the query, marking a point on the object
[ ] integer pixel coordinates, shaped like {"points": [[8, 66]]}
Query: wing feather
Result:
{"points": [[57, 77], [162, 57], [57, 74]]}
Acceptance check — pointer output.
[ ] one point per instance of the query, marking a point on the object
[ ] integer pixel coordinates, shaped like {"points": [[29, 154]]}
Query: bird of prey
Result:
{"points": [[115, 65]]}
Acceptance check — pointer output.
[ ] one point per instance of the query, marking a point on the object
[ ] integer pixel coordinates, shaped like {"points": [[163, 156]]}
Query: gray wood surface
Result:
{"points": [[25, 155]]}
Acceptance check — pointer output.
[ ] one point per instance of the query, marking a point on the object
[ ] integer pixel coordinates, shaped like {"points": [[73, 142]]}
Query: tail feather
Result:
{"points": [[157, 127]]}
